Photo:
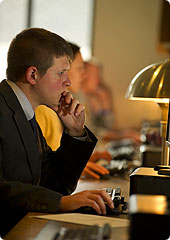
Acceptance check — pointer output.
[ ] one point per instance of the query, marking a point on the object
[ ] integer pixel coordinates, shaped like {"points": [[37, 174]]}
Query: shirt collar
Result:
{"points": [[25, 104]]}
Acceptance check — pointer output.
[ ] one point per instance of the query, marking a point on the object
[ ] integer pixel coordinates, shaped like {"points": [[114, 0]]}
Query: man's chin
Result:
{"points": [[55, 107]]}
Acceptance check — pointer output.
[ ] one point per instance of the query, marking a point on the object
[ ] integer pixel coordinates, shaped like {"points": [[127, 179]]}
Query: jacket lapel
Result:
{"points": [[25, 131]]}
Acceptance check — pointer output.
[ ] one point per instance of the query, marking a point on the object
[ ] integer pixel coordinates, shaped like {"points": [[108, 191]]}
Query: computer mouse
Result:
{"points": [[90, 210]]}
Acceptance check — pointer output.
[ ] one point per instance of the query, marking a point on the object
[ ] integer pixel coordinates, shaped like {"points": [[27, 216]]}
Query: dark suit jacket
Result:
{"points": [[32, 179]]}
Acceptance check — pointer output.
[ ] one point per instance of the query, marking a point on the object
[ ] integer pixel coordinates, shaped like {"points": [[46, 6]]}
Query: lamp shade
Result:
{"points": [[151, 83]]}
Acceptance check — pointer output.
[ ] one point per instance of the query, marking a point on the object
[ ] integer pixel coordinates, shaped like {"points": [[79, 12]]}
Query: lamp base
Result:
{"points": [[145, 180]]}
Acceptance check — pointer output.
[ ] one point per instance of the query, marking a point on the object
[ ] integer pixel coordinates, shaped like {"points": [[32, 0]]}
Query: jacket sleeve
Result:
{"points": [[61, 169]]}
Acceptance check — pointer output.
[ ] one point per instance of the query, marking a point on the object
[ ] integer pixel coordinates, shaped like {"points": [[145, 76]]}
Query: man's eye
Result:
{"points": [[60, 73]]}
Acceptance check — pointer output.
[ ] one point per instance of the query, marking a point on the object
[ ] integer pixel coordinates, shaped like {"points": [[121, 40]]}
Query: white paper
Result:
{"points": [[86, 219]]}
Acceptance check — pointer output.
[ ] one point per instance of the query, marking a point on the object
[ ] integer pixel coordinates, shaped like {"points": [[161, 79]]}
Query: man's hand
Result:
{"points": [[94, 170], [93, 198], [97, 155], [72, 114]]}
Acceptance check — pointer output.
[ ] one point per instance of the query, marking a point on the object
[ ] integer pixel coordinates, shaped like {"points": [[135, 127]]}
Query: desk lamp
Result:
{"points": [[153, 84]]}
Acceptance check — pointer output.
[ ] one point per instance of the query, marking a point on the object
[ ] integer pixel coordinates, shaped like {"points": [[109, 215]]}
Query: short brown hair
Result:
{"points": [[35, 47], [75, 48]]}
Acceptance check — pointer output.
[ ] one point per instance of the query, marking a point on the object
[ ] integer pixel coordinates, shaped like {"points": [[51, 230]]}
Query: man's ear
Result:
{"points": [[31, 75]]}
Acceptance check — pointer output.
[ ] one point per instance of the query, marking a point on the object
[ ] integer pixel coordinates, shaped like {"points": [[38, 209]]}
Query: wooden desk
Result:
{"points": [[29, 227], [123, 182]]}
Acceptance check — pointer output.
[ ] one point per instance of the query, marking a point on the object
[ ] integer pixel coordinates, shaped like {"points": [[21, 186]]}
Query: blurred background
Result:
{"points": [[124, 35]]}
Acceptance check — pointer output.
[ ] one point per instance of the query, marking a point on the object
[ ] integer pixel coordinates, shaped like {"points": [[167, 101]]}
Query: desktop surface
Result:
{"points": [[29, 227], [54, 230]]}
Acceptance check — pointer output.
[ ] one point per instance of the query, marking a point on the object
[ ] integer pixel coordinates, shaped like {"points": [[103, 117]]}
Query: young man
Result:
{"points": [[32, 176]]}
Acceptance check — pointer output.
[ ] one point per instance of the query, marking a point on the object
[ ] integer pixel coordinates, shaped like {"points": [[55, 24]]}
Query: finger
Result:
{"points": [[88, 198], [94, 205], [91, 173], [79, 108], [76, 107], [96, 167], [73, 105], [100, 202], [102, 169], [106, 197], [68, 98], [63, 102], [64, 93], [99, 155]]}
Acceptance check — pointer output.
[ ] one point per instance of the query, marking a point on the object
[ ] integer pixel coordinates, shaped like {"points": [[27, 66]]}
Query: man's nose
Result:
{"points": [[67, 81]]}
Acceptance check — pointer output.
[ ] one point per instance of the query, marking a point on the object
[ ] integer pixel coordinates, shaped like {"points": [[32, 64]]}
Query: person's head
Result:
{"points": [[76, 73], [38, 61], [93, 71], [35, 47]]}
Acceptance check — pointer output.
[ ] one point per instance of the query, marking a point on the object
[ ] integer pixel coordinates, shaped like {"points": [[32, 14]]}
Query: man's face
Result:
{"points": [[48, 88], [77, 73], [93, 77]]}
